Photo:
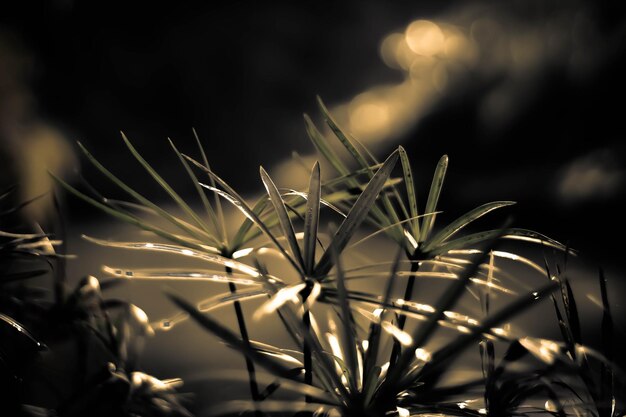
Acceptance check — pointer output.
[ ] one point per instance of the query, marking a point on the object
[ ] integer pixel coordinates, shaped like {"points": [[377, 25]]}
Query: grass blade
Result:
{"points": [[348, 334], [311, 219], [445, 303], [375, 328], [243, 234], [179, 275], [463, 221], [442, 357], [356, 215], [410, 191], [205, 202], [607, 379], [513, 233], [127, 217], [180, 250], [169, 190], [232, 196], [229, 337], [350, 177], [218, 203], [283, 217], [140, 198], [607, 319], [289, 385], [319, 141], [279, 299], [273, 407], [209, 304], [571, 310], [433, 197], [330, 121], [358, 157]]}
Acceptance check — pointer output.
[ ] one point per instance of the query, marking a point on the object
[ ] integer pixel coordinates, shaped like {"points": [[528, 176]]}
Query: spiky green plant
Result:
{"points": [[412, 231], [342, 376], [201, 240]]}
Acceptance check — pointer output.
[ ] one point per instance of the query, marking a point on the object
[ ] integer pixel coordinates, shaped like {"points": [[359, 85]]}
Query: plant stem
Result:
{"points": [[306, 352], [408, 294], [254, 388]]}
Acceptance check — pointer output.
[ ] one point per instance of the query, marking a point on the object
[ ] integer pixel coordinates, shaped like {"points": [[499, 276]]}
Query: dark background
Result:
{"points": [[242, 75]]}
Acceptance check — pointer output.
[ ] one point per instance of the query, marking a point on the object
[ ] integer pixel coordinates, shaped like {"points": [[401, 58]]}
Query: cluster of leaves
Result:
{"points": [[375, 356], [69, 353]]}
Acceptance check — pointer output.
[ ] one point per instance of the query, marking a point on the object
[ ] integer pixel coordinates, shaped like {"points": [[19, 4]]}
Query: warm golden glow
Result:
{"points": [[425, 38], [369, 114]]}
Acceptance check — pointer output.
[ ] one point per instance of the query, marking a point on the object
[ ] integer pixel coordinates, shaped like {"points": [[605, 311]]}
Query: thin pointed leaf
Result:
{"points": [[572, 312], [128, 218], [320, 144], [348, 334], [512, 233], [285, 355], [218, 203], [357, 214], [330, 121], [289, 385], [242, 235], [442, 357], [232, 196], [21, 205], [461, 222], [433, 197], [168, 189], [224, 299], [180, 275], [205, 202], [351, 176], [283, 217], [386, 228], [7, 192], [305, 196], [358, 157], [445, 303], [16, 326], [410, 190], [134, 194], [277, 300], [229, 337], [273, 407], [607, 318], [210, 304], [179, 250], [375, 329], [250, 215], [19, 276], [124, 206], [534, 237], [311, 219], [323, 367]]}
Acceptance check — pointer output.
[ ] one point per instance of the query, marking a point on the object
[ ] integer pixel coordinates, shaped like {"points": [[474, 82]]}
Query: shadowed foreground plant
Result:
{"points": [[70, 354]]}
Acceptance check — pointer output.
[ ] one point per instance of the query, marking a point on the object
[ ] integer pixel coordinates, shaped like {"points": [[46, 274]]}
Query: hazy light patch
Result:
{"points": [[596, 175], [425, 38], [369, 115]]}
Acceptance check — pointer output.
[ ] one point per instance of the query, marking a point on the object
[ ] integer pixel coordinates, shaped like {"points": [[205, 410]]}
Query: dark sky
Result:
{"points": [[242, 74]]}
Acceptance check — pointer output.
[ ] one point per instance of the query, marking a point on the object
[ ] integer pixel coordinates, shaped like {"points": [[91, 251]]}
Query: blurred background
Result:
{"points": [[524, 96]]}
